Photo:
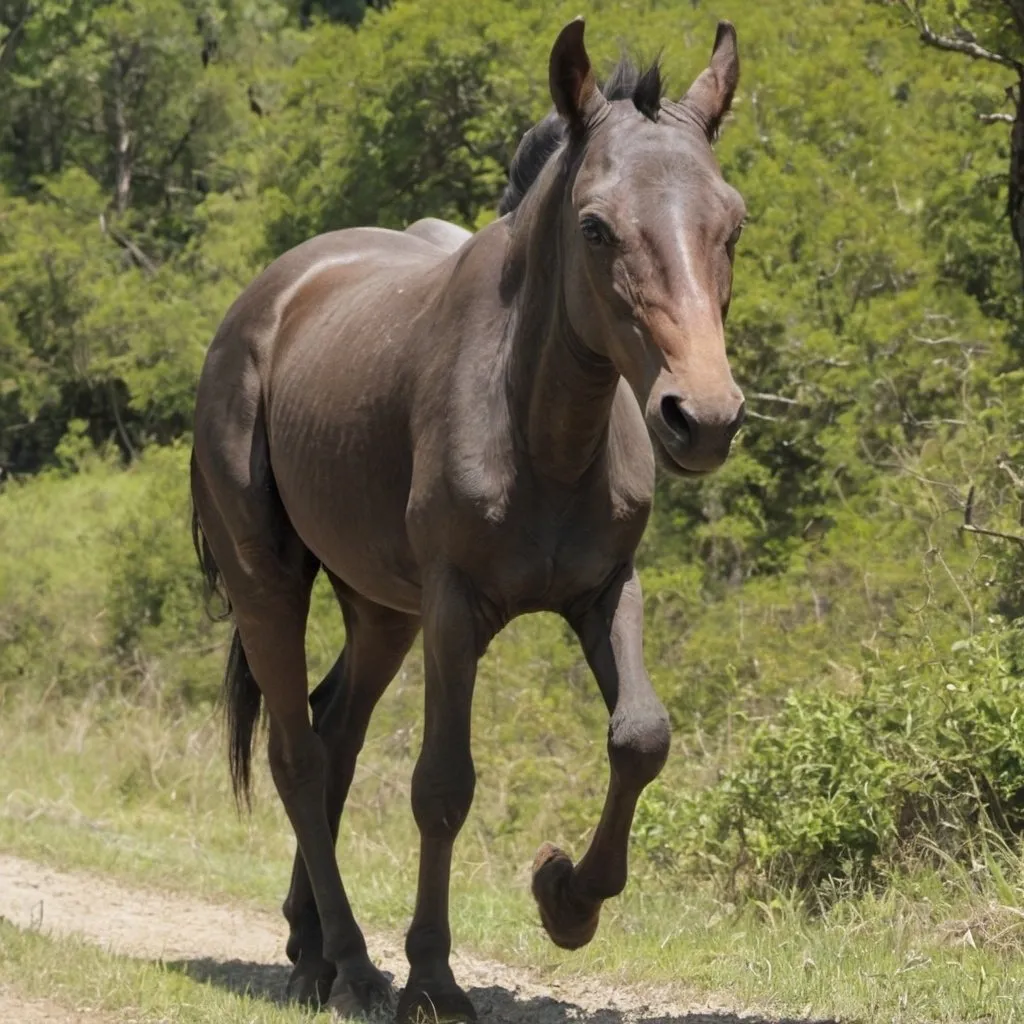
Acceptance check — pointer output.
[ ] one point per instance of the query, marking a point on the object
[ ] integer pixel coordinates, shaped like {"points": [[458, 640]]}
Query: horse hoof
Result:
{"points": [[427, 1003], [310, 982], [569, 922], [361, 991]]}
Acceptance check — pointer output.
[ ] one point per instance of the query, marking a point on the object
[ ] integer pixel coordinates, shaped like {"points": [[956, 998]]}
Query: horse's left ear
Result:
{"points": [[711, 94], [573, 86]]}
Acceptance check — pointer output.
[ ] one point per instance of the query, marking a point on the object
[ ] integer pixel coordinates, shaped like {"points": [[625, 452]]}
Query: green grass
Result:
{"points": [[78, 975], [113, 760], [138, 793]]}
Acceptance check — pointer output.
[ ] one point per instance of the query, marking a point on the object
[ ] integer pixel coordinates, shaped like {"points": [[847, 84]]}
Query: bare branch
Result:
{"points": [[764, 396], [996, 118], [950, 340], [969, 527], [980, 530], [141, 259], [176, 151], [968, 47], [1005, 466], [125, 439]]}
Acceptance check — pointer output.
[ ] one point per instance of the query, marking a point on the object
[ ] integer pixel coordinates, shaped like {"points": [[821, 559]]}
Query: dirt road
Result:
{"points": [[239, 949]]}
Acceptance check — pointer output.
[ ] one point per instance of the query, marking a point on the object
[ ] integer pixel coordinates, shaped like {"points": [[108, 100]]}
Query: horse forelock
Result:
{"points": [[627, 81]]}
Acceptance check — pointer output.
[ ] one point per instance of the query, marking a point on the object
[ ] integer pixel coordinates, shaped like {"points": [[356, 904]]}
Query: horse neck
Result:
{"points": [[560, 392]]}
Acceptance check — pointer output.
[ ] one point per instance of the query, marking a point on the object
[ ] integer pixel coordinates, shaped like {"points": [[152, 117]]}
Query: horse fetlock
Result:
{"points": [[305, 936], [569, 918], [638, 745]]}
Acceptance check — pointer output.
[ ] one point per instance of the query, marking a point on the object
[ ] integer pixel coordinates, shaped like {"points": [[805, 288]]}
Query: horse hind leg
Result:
{"points": [[268, 575], [376, 642]]}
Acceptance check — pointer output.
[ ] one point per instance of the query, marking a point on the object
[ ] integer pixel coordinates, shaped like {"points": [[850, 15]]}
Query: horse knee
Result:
{"points": [[442, 794], [638, 744]]}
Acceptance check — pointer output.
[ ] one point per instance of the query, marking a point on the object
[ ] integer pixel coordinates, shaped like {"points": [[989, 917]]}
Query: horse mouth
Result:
{"points": [[669, 462]]}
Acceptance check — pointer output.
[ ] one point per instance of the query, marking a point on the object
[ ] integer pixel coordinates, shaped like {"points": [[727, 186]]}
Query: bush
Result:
{"points": [[155, 594], [927, 755]]}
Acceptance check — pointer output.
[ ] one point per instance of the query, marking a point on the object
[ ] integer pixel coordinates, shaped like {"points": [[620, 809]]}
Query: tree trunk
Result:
{"points": [[119, 127], [1015, 204], [122, 156]]}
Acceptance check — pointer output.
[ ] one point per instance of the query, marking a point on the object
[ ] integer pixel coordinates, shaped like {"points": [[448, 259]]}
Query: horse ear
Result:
{"points": [[711, 94], [573, 87]]}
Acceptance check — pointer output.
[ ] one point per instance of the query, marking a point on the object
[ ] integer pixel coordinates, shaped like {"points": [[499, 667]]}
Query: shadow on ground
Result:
{"points": [[495, 1005]]}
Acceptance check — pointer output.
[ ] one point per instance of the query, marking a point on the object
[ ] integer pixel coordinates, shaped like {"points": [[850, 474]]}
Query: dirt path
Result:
{"points": [[241, 949], [14, 1010]]}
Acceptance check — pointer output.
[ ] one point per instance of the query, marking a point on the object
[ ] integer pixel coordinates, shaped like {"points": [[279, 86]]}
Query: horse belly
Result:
{"points": [[343, 468], [349, 513]]}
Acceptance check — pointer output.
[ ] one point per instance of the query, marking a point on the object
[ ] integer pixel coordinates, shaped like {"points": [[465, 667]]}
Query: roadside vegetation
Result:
{"points": [[833, 620]]}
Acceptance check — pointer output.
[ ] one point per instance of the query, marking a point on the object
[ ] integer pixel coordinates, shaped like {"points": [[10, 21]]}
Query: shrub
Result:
{"points": [[154, 596], [927, 754]]}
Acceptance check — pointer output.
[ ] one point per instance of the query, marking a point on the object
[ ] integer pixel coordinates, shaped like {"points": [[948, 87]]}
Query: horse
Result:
{"points": [[457, 430], [442, 233]]}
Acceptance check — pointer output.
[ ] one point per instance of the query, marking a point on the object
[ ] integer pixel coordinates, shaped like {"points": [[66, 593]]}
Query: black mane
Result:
{"points": [[628, 81]]}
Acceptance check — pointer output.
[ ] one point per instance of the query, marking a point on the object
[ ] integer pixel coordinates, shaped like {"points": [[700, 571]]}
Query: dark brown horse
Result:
{"points": [[458, 430]]}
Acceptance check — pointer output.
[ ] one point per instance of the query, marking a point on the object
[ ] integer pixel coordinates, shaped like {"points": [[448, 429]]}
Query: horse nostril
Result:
{"points": [[676, 419], [737, 422]]}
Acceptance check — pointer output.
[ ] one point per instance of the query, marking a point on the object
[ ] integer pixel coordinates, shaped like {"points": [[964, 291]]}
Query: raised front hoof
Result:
{"points": [[429, 1003], [310, 982], [362, 992], [569, 923]]}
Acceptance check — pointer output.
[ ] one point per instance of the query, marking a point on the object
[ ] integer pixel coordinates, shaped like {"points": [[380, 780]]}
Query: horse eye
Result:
{"points": [[595, 231], [734, 238]]}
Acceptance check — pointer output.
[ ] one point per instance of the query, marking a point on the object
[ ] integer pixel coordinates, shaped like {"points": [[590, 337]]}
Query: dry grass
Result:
{"points": [[142, 794]]}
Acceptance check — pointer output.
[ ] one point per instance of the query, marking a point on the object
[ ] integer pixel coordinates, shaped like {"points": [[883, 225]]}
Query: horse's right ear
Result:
{"points": [[573, 86], [711, 94]]}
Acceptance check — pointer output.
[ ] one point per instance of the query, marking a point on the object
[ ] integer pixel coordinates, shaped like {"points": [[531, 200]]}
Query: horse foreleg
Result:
{"points": [[442, 793], [611, 632]]}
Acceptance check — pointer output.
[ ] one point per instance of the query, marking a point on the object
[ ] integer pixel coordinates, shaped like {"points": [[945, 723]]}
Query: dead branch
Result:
{"points": [[997, 118], [968, 45], [138, 256], [1005, 466], [948, 340], [180, 145], [765, 396], [969, 527], [125, 439]]}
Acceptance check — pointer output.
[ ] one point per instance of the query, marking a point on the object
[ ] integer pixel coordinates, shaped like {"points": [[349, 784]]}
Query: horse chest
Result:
{"points": [[546, 562]]}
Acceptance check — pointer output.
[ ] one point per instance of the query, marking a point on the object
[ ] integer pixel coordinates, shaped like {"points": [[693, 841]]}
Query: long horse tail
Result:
{"points": [[242, 697], [244, 703]]}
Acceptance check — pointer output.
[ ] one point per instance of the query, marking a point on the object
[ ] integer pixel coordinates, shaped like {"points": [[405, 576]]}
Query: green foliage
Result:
{"points": [[803, 604], [924, 754], [153, 598], [98, 586]]}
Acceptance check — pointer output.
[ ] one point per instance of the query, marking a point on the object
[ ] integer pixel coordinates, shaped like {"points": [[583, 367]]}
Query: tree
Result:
{"points": [[991, 31]]}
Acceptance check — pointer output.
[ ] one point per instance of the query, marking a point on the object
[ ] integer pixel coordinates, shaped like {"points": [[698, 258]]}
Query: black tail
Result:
{"points": [[243, 699], [213, 586], [241, 693]]}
